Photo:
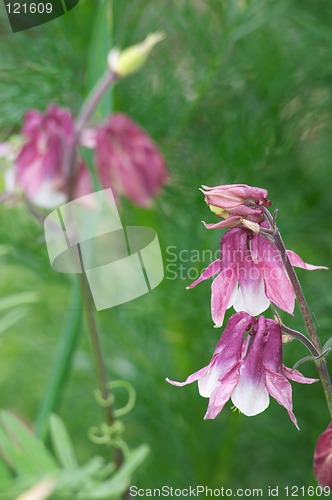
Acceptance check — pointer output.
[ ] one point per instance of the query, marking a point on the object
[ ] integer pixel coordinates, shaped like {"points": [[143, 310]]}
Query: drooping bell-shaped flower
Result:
{"points": [[247, 370], [250, 275], [40, 170], [128, 161], [323, 458], [235, 202]]}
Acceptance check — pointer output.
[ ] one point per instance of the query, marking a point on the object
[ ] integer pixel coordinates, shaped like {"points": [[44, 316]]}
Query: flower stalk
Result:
{"points": [[321, 364], [307, 318], [99, 361], [85, 114]]}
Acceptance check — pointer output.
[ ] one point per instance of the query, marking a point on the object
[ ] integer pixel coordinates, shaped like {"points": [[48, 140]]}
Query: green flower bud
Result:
{"points": [[133, 58]]}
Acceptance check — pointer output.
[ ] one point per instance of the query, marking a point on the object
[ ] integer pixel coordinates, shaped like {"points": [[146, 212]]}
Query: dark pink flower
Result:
{"points": [[250, 275], [323, 458], [247, 370], [128, 161], [234, 202], [40, 170]]}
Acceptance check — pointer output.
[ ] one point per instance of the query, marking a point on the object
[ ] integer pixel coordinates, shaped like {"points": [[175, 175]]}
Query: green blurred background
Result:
{"points": [[239, 92]]}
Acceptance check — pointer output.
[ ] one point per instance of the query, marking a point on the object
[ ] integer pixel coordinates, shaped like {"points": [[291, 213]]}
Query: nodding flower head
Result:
{"points": [[128, 161], [249, 275], [234, 202], [40, 171], [247, 369]]}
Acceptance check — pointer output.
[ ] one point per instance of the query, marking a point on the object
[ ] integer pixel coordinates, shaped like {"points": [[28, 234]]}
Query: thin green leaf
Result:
{"points": [[62, 363], [63, 447], [28, 454], [118, 484], [11, 318], [80, 479], [18, 299]]}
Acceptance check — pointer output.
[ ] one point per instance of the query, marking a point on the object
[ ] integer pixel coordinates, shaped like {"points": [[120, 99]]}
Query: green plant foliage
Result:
{"points": [[31, 464]]}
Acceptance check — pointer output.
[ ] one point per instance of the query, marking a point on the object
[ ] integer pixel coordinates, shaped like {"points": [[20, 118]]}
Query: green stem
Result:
{"points": [[273, 234], [97, 350], [86, 113], [62, 363], [310, 326], [302, 338], [99, 361]]}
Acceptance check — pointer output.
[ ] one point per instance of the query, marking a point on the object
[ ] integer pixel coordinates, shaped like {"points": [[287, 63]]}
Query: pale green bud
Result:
{"points": [[133, 58]]}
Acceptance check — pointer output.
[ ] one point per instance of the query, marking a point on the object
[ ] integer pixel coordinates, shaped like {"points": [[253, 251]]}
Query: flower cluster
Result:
{"points": [[246, 366], [247, 369], [250, 275], [126, 159]]}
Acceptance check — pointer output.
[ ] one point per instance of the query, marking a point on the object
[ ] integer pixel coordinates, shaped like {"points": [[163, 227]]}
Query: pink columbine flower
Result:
{"points": [[250, 275], [127, 160], [247, 370], [323, 458], [234, 202], [40, 170]]}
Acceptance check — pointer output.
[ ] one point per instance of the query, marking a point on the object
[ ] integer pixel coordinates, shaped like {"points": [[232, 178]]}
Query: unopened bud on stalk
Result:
{"points": [[133, 58]]}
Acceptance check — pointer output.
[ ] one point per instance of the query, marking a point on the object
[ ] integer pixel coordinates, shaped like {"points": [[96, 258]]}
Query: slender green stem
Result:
{"points": [[86, 113], [97, 352], [321, 364], [93, 99], [307, 318], [294, 333], [62, 363], [302, 338]]}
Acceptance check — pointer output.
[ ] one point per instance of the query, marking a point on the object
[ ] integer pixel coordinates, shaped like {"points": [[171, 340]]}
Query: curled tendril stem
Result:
{"points": [[110, 399], [110, 435]]}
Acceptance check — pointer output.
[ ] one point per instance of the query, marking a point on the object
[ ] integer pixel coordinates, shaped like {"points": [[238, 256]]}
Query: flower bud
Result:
{"points": [[133, 58], [237, 205], [323, 458]]}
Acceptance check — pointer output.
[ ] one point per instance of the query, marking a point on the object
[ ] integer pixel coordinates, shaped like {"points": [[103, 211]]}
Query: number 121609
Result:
{"points": [[307, 491], [29, 8]]}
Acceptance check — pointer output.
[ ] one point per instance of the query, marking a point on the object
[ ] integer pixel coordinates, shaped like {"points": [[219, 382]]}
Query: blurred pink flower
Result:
{"points": [[234, 202], [247, 370], [40, 170], [323, 458], [250, 275], [127, 160]]}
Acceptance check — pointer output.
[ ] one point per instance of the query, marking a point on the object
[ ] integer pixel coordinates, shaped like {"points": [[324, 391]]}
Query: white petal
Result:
{"points": [[208, 383], [48, 197], [233, 296], [249, 398], [251, 299]]}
